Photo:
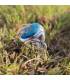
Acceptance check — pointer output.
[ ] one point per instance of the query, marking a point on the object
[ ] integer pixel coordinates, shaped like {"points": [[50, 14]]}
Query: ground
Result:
{"points": [[18, 58]]}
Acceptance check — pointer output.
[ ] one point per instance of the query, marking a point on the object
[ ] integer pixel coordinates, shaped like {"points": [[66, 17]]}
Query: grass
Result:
{"points": [[17, 58]]}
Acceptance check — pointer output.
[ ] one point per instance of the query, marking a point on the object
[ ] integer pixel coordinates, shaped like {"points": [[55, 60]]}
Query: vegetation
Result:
{"points": [[18, 58]]}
